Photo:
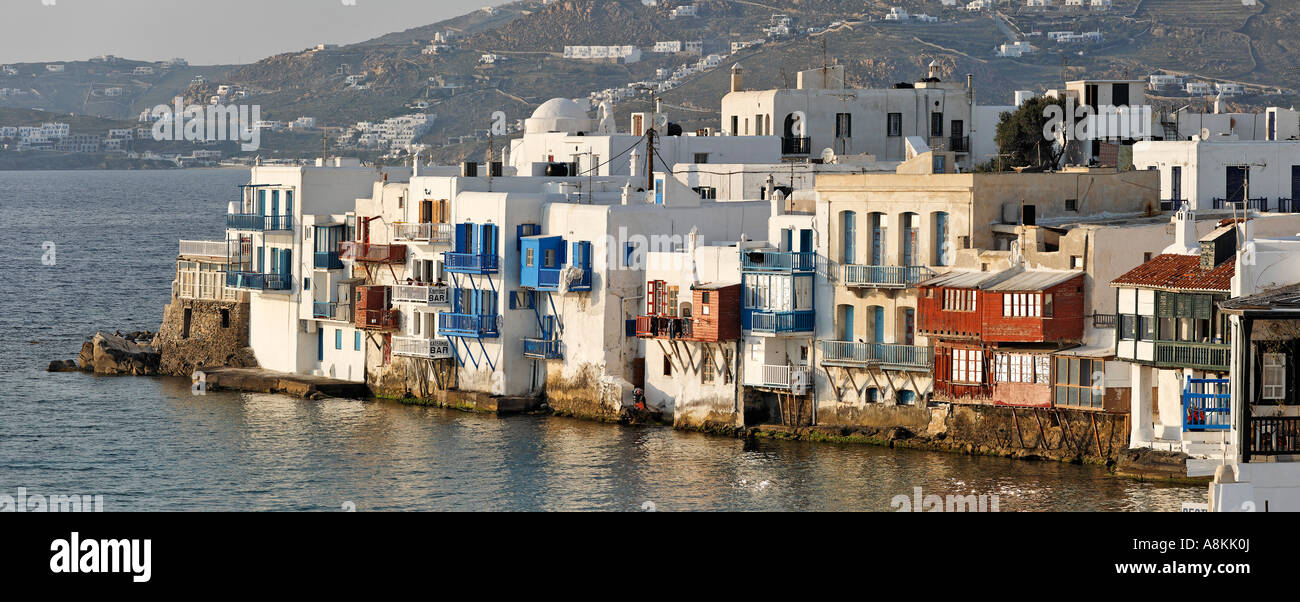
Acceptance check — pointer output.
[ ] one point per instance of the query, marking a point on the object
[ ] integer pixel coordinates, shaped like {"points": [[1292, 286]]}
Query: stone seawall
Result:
{"points": [[1040, 433]]}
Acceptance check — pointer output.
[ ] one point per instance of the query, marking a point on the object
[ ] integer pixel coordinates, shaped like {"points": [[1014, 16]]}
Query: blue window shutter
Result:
{"points": [[320, 345], [356, 340], [261, 202], [848, 323], [462, 237], [880, 323], [288, 202], [629, 326], [787, 239], [338, 338], [306, 284], [519, 236], [287, 258], [850, 236]]}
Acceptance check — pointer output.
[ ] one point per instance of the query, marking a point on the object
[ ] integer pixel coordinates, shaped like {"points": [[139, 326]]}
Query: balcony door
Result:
{"points": [[846, 323], [1237, 182], [879, 231], [848, 223]]}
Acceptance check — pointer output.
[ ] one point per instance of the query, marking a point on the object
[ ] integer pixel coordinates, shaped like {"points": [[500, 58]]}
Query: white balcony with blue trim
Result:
{"points": [[549, 264], [257, 281]]}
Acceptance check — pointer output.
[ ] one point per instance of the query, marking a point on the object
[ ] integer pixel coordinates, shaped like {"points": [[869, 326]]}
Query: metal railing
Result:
{"points": [[1272, 436], [782, 377], [542, 349], [257, 281], [1207, 404], [421, 293], [781, 321], [470, 263], [203, 248], [1172, 204], [332, 310], [796, 146], [422, 348], [548, 279], [327, 260], [779, 261], [437, 233], [467, 325], [1285, 205], [884, 276], [1104, 320], [952, 144], [880, 354], [1206, 356], [253, 221]]}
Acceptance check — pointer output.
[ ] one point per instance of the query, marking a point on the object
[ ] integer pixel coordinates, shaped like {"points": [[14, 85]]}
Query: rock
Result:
{"points": [[113, 354], [86, 359], [62, 366], [898, 433]]}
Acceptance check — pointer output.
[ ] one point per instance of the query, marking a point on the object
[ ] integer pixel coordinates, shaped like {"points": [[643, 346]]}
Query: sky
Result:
{"points": [[204, 32]]}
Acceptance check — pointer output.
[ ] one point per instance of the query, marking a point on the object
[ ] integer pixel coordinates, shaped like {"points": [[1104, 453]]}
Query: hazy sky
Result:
{"points": [[204, 32]]}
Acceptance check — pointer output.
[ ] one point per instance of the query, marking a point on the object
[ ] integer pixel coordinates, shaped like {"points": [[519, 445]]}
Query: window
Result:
{"points": [[225, 318], [1022, 368], [843, 125], [958, 300], [306, 283], [936, 123], [1080, 382], [1071, 204], [895, 125], [1146, 328], [529, 258], [704, 298], [338, 339], [549, 259], [1127, 326], [356, 341], [521, 300], [706, 192], [668, 366], [1022, 305], [1274, 376], [939, 165], [706, 371], [735, 125], [701, 157], [968, 366]]}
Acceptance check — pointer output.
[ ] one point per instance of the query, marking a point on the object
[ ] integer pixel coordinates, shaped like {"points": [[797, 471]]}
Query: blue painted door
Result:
{"points": [[941, 247], [850, 235], [879, 318], [805, 240], [320, 345], [846, 332]]}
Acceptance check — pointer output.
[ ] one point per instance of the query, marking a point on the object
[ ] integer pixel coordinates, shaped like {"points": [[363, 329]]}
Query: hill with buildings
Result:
{"points": [[512, 58]]}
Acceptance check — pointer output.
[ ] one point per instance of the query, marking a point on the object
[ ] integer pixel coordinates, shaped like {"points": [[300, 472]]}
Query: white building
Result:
{"points": [[1215, 174], [1015, 49], [620, 54]]}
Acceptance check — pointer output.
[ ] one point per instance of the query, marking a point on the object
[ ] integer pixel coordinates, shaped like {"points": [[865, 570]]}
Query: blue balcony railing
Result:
{"points": [[257, 281], [548, 279], [467, 325], [885, 355], [778, 261], [470, 263], [776, 322], [328, 260], [884, 276], [252, 221], [331, 310], [542, 349], [1207, 404]]}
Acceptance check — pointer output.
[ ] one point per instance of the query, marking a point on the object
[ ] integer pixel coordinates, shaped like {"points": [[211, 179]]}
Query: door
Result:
{"points": [[941, 248], [878, 232], [1295, 183], [958, 131], [1236, 182], [909, 326], [846, 323], [879, 318], [1176, 183], [426, 212], [850, 228], [805, 240]]}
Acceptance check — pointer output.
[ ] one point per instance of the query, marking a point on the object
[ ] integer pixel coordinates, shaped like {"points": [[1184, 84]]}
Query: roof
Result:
{"points": [[1035, 280], [1014, 279], [1284, 298], [1181, 272], [962, 279], [713, 286], [560, 108]]}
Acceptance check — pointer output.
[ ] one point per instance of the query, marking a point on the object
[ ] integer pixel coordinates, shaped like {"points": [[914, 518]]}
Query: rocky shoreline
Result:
{"points": [[134, 353]]}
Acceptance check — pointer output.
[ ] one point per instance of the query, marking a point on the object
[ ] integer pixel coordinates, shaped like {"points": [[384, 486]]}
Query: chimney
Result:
{"points": [[737, 77], [933, 71], [635, 165], [1185, 239]]}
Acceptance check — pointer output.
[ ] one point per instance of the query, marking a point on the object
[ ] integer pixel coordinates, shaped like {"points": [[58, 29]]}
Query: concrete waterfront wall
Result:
{"points": [[583, 393]]}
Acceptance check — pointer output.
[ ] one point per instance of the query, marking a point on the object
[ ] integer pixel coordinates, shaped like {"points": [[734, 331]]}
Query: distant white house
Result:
{"points": [[59, 68], [1101, 4], [687, 10], [620, 54], [1015, 49], [1165, 81], [1198, 88], [143, 70], [1229, 89]]}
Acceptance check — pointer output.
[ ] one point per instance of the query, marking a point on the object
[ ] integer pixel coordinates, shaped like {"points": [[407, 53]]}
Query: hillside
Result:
{"points": [[1218, 39]]}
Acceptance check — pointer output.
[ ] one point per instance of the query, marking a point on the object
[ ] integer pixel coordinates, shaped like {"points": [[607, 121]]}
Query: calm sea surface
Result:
{"points": [[148, 444]]}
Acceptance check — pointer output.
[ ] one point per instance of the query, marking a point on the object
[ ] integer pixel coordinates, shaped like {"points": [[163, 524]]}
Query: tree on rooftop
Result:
{"points": [[1021, 140]]}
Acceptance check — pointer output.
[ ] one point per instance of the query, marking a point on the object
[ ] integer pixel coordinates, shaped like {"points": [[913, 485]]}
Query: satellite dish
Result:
{"points": [[1205, 133], [828, 155], [661, 121]]}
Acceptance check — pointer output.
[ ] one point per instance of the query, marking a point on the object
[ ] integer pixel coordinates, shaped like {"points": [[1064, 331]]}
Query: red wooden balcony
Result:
{"points": [[378, 319], [373, 253]]}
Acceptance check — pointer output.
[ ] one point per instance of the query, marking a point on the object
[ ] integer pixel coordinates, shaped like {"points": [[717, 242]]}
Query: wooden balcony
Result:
{"points": [[663, 327], [1201, 356], [372, 253], [778, 261], [1272, 436], [378, 319]]}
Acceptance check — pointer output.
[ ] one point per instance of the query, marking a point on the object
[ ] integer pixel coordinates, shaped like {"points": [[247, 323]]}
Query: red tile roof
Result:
{"points": [[1179, 272]]}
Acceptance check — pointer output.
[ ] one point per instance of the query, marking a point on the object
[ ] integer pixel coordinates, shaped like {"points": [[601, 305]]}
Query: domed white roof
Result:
{"points": [[560, 108]]}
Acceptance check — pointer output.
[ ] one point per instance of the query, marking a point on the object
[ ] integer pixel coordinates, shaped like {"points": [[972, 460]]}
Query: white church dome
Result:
{"points": [[559, 115]]}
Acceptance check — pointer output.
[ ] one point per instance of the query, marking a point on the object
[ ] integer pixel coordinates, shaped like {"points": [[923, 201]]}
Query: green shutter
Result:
{"points": [[1164, 304]]}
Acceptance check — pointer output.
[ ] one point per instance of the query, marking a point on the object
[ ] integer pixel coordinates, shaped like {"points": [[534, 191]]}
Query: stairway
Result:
{"points": [[1207, 450]]}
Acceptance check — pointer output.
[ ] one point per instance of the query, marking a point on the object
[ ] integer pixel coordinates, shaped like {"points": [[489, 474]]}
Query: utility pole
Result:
{"points": [[650, 159]]}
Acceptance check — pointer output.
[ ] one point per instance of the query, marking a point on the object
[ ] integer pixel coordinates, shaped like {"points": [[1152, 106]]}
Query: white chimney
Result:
{"points": [[634, 168], [1185, 239]]}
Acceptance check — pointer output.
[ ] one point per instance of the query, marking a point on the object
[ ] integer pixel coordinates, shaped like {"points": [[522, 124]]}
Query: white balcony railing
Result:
{"points": [[421, 294], [209, 286], [437, 233], [782, 377], [203, 248], [422, 348]]}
